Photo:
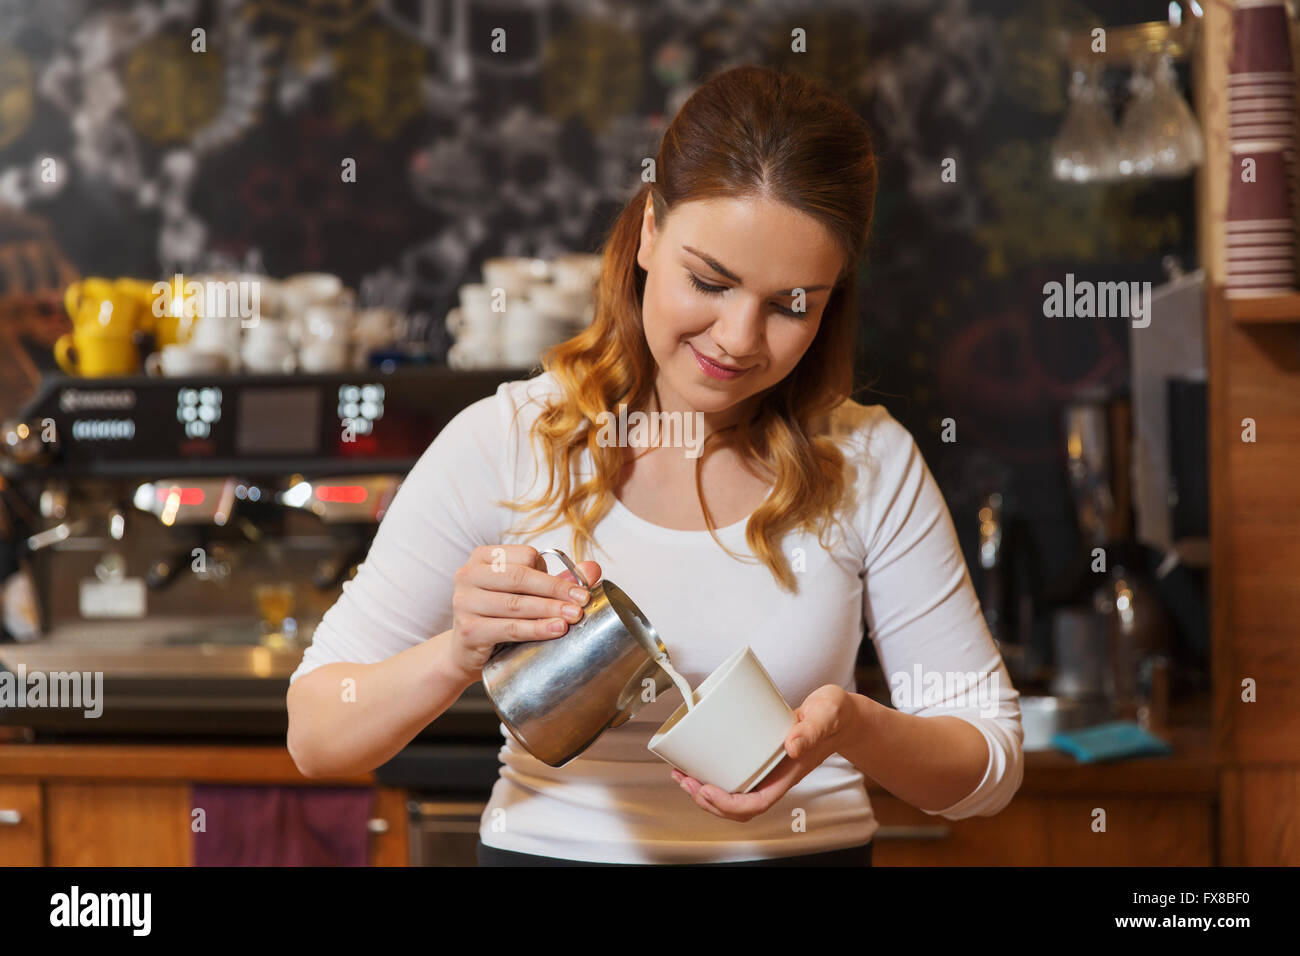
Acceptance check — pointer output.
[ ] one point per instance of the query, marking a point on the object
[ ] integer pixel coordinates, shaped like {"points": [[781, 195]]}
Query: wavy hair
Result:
{"points": [[749, 131]]}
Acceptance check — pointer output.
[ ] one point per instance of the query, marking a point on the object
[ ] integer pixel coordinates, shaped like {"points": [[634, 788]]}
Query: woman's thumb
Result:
{"points": [[590, 570]]}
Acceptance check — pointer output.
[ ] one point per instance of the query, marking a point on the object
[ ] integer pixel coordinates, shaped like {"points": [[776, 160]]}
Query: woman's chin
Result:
{"points": [[712, 398]]}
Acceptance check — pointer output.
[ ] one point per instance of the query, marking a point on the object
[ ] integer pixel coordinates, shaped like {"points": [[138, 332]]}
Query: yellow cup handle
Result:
{"points": [[72, 300], [146, 321], [63, 350]]}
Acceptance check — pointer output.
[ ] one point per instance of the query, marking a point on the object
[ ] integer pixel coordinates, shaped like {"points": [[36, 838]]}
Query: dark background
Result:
{"points": [[171, 160]]}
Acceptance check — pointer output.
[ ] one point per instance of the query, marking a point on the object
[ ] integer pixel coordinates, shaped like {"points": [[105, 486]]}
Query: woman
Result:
{"points": [[727, 296]]}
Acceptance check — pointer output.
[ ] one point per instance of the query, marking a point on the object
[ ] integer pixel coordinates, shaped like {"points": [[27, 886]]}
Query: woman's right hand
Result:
{"points": [[504, 593]]}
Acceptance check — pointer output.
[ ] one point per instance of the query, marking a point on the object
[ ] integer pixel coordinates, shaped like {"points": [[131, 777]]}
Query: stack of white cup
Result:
{"points": [[522, 307], [476, 327], [319, 314], [308, 322]]}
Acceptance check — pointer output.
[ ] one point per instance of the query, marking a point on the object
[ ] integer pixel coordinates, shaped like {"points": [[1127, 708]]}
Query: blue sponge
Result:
{"points": [[1122, 738]]}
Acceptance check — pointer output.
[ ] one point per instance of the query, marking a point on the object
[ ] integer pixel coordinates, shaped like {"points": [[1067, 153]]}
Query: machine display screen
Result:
{"points": [[278, 421], [249, 425]]}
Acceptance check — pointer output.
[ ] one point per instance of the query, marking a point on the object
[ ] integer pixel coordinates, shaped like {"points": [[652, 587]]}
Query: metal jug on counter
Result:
{"points": [[558, 696]]}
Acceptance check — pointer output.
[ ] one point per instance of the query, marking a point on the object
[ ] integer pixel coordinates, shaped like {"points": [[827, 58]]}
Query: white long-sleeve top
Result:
{"points": [[895, 571]]}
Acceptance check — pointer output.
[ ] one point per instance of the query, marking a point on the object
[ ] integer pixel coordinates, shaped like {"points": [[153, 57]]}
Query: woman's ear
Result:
{"points": [[648, 233]]}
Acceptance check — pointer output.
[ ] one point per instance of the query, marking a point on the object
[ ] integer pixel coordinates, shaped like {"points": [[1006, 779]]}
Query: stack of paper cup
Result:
{"points": [[1261, 225]]}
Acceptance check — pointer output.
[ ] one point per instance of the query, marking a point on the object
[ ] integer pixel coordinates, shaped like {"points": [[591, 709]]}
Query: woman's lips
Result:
{"points": [[713, 369]]}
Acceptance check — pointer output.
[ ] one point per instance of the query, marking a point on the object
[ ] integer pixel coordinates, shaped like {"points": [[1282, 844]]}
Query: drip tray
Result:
{"points": [[192, 688]]}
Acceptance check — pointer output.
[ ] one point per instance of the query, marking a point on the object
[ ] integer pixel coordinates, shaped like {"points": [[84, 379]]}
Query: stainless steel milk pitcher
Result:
{"points": [[558, 696]]}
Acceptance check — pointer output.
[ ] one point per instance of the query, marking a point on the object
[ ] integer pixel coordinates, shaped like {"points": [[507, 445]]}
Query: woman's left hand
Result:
{"points": [[825, 714]]}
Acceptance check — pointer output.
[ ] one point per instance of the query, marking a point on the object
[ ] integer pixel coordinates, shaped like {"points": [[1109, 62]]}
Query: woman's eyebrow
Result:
{"points": [[718, 267]]}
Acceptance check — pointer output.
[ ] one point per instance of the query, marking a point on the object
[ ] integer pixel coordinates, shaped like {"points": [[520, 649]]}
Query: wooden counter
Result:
{"points": [[121, 804], [1151, 811], [1190, 769], [129, 804], [268, 764]]}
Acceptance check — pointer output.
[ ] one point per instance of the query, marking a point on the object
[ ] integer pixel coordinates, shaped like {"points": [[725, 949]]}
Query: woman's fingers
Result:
{"points": [[520, 629], [514, 598], [506, 604], [590, 570], [527, 580]]}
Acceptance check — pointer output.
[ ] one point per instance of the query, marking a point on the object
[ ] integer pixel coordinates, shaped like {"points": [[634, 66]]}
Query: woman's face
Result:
{"points": [[721, 282]]}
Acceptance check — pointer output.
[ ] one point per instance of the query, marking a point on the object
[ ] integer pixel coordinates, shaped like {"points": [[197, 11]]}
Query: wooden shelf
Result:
{"points": [[1125, 42], [1273, 308]]}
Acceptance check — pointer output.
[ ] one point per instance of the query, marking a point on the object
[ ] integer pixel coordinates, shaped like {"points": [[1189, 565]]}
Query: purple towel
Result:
{"points": [[282, 826]]}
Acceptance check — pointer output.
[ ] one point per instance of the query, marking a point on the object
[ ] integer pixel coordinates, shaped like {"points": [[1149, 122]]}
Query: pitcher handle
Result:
{"points": [[568, 564]]}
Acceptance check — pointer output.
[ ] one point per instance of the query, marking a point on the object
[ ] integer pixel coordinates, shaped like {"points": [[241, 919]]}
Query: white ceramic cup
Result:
{"points": [[377, 327], [475, 296], [522, 322], [270, 363], [523, 354], [576, 270], [474, 323], [735, 734], [218, 333], [559, 303], [473, 353], [324, 356], [514, 273], [267, 332], [315, 286], [523, 350], [328, 323], [268, 348], [267, 292], [185, 359], [235, 296], [299, 293]]}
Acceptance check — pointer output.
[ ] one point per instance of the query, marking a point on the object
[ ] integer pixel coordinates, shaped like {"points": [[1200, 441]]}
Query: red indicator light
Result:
{"points": [[341, 494]]}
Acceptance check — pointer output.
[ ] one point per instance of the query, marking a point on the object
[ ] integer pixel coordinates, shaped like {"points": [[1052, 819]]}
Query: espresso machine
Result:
{"points": [[183, 537], [1111, 632]]}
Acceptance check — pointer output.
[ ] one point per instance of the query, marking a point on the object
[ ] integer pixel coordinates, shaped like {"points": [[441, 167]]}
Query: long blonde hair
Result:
{"points": [[749, 131]]}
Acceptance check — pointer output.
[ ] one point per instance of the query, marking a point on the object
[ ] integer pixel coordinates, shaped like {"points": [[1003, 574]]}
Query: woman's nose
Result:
{"points": [[739, 331]]}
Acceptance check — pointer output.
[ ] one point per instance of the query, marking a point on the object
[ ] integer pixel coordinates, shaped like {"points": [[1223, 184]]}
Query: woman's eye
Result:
{"points": [[707, 289], [704, 286]]}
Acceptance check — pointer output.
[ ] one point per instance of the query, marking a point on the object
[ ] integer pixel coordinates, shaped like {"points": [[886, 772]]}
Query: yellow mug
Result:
{"points": [[86, 353], [107, 306], [180, 305], [167, 328]]}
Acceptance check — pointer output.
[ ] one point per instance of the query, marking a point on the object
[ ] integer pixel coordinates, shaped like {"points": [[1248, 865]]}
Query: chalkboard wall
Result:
{"points": [[167, 158]]}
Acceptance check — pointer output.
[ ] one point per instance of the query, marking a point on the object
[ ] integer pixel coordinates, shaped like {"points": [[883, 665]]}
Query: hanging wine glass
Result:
{"points": [[1136, 147], [1176, 139], [1084, 149]]}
